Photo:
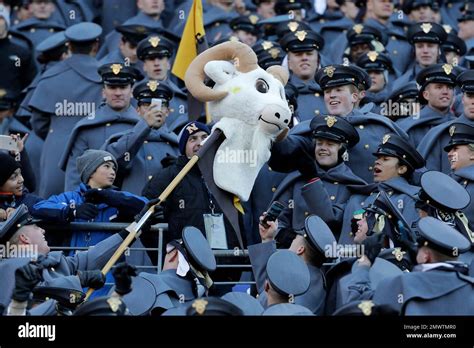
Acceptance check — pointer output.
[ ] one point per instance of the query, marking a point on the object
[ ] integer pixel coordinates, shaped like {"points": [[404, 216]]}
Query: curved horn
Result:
{"points": [[245, 60], [279, 73]]}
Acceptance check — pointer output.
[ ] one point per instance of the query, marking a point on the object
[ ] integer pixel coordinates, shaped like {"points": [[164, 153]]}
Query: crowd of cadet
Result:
{"points": [[376, 174]]}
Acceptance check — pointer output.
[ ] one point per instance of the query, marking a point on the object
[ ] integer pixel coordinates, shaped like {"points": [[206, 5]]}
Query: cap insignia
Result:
{"points": [[153, 85], [114, 303], [447, 68], [330, 121], [267, 45], [116, 68], [366, 307], [200, 306], [154, 41], [301, 35], [452, 129], [398, 253], [447, 28], [358, 28], [329, 70], [372, 56], [426, 27], [274, 52], [293, 26]]}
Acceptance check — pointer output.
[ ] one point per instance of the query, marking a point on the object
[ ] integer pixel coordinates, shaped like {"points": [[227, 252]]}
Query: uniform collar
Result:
{"points": [[465, 173], [128, 113], [302, 86], [464, 119], [400, 184], [144, 19], [340, 173]]}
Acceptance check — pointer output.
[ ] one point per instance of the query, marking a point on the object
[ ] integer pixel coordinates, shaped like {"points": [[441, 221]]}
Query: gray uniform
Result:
{"points": [[70, 12], [325, 198], [332, 31], [400, 192], [24, 110], [216, 22], [74, 81], [409, 76], [61, 266], [116, 56], [259, 201], [450, 12], [158, 292], [432, 145], [92, 133], [37, 30], [313, 299], [429, 117], [139, 152], [398, 47], [452, 294], [112, 40], [310, 98], [371, 129], [178, 116], [465, 176], [115, 12]]}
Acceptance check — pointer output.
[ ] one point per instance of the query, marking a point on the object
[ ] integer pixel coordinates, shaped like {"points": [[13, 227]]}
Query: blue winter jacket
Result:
{"points": [[57, 208]]}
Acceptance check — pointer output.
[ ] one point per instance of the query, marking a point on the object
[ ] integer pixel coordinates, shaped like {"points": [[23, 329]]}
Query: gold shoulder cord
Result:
{"points": [[465, 222]]}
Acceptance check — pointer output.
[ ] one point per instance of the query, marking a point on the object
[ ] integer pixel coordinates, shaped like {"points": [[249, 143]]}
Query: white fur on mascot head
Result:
{"points": [[250, 108]]}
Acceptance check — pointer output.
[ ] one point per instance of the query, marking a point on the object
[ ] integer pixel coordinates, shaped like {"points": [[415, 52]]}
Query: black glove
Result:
{"points": [[168, 161], [127, 204], [113, 197], [86, 211], [373, 245], [305, 164], [93, 196], [26, 278], [123, 274], [157, 216], [91, 279]]}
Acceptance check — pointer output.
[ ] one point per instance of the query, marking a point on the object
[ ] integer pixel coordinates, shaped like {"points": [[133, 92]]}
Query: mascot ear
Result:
{"points": [[280, 73], [219, 71]]}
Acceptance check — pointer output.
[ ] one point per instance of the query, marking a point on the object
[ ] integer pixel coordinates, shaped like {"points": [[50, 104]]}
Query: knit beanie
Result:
{"points": [[90, 160], [188, 130]]}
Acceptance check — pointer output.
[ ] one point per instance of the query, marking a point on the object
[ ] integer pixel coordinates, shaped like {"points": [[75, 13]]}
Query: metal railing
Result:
{"points": [[239, 255]]}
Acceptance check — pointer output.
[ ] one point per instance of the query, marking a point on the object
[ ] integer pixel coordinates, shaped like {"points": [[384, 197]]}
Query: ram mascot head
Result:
{"points": [[250, 108]]}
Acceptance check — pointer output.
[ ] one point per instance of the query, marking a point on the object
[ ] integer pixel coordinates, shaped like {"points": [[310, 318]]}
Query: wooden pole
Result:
{"points": [[135, 227]]}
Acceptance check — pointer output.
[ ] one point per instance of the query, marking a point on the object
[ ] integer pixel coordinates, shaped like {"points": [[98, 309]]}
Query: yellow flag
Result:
{"points": [[187, 49]]}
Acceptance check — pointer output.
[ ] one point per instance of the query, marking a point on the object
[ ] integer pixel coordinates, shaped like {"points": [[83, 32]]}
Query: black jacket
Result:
{"points": [[187, 203]]}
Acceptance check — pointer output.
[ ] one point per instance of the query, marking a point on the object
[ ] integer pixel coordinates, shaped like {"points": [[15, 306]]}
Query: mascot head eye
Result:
{"points": [[262, 86]]}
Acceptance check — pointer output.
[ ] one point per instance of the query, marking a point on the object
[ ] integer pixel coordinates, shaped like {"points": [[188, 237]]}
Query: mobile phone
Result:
{"points": [[273, 213], [158, 102], [7, 143]]}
